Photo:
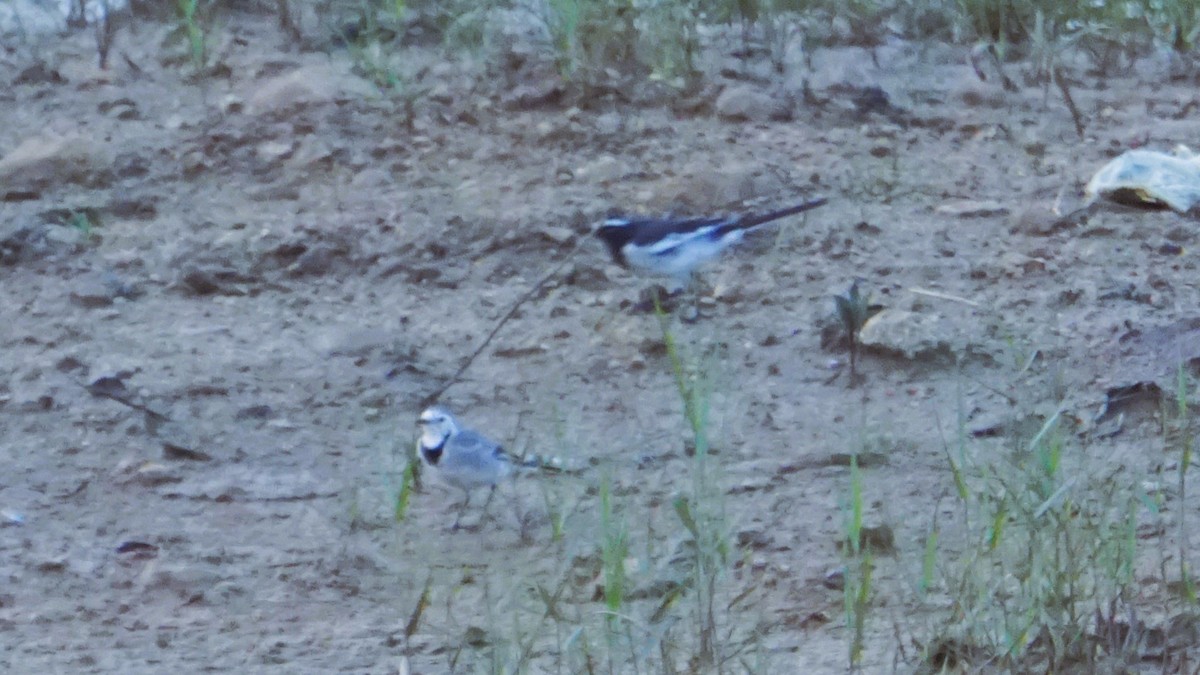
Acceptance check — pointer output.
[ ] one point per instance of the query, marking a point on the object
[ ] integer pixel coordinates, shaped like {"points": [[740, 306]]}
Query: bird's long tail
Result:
{"points": [[754, 219], [549, 463]]}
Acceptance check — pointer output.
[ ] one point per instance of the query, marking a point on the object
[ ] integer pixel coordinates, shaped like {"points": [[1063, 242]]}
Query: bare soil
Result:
{"points": [[286, 273]]}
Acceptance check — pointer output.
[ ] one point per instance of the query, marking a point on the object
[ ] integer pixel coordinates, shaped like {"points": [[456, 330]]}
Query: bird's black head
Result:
{"points": [[616, 232]]}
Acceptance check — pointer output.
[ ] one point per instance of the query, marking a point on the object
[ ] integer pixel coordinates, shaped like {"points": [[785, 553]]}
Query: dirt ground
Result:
{"points": [[285, 263]]}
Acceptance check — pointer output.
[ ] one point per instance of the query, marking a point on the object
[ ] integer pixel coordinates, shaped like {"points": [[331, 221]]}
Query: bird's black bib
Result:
{"points": [[433, 455]]}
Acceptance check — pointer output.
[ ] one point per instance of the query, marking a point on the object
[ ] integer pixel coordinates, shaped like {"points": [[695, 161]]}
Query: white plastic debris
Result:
{"points": [[1150, 178]]}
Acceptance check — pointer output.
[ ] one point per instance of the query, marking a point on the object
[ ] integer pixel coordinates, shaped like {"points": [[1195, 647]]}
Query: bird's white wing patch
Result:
{"points": [[678, 254], [668, 244]]}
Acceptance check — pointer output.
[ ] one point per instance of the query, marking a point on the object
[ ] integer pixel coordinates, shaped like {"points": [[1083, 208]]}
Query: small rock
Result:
{"points": [[972, 209], [227, 590], [441, 92], [1138, 399], [371, 179], [274, 151], [904, 332], [1179, 234], [41, 162], [588, 278], [871, 99], [609, 123], [274, 193], [601, 170], [110, 384], [476, 637], [315, 153], [835, 579], [707, 188], [194, 163], [140, 208], [1037, 220], [208, 281], [879, 539], [519, 352], [746, 103], [533, 95], [201, 282], [261, 411], [305, 86], [152, 474], [813, 620], [551, 130], [22, 242], [39, 73], [137, 550], [881, 150], [55, 564], [316, 261], [864, 459], [186, 580], [1016, 265], [34, 402], [100, 289], [232, 104], [172, 450], [91, 298], [20, 195], [756, 539], [557, 234], [122, 109]]}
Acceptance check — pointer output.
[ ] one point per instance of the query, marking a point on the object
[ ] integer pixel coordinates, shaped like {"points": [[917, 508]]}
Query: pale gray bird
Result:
{"points": [[464, 457]]}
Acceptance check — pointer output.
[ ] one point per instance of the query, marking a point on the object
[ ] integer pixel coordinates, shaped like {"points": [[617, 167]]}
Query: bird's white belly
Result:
{"points": [[681, 260], [467, 475]]}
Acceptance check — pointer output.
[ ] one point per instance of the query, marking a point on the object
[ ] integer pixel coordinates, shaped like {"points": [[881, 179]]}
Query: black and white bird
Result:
{"points": [[675, 247], [467, 459]]}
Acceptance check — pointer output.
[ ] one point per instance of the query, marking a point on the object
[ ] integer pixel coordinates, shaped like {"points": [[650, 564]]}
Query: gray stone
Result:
{"points": [[43, 161], [305, 86], [746, 103], [969, 208], [908, 333]]}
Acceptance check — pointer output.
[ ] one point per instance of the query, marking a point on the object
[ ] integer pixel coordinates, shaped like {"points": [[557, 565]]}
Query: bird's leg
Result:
{"points": [[689, 304], [462, 510], [486, 504]]}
